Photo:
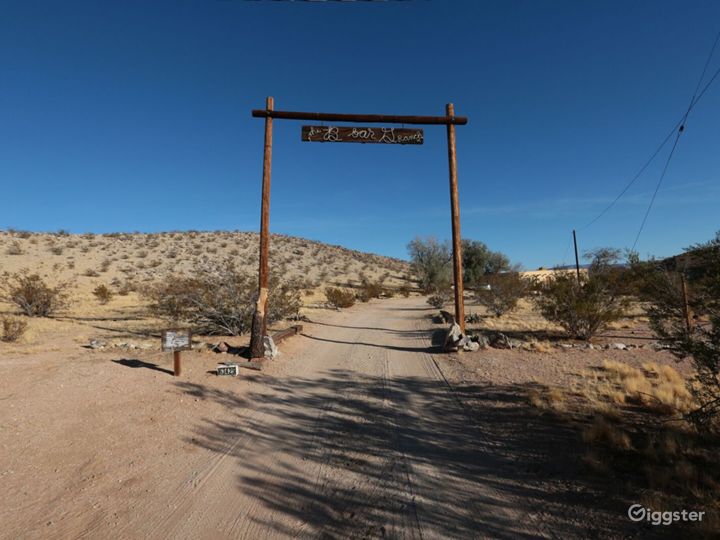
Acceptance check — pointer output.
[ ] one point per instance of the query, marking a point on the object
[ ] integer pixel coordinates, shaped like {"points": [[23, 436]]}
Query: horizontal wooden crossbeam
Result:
{"points": [[361, 118]]}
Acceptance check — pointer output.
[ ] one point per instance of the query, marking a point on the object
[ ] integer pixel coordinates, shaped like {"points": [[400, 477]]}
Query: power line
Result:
{"points": [[676, 129], [657, 188], [693, 101]]}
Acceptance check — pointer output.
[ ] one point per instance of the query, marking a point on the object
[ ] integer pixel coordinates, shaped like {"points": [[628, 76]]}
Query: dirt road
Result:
{"points": [[354, 432]]}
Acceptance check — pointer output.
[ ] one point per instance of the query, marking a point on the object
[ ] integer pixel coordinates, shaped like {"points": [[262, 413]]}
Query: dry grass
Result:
{"points": [[629, 436], [552, 399]]}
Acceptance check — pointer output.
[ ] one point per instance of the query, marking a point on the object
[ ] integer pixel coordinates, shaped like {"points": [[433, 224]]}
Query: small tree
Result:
{"points": [[701, 340], [478, 260], [430, 262], [32, 295], [500, 293]]}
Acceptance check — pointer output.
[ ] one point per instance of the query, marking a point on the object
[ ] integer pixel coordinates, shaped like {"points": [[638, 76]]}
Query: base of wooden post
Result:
{"points": [[177, 366]]}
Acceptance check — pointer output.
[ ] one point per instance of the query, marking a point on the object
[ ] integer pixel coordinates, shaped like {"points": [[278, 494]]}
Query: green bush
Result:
{"points": [[500, 293], [583, 308]]}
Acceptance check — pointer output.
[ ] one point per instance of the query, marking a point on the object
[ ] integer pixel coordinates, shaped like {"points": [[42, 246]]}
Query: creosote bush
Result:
{"points": [[32, 295], [439, 299], [340, 298], [500, 293], [582, 309], [12, 329], [369, 290], [219, 300], [103, 294]]}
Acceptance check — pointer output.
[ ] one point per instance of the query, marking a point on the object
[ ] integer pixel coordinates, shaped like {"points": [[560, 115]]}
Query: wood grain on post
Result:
{"points": [[686, 305], [455, 212], [177, 366], [259, 323], [362, 118]]}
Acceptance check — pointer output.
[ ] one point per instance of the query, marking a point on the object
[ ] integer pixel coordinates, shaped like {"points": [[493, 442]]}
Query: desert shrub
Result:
{"points": [[56, 250], [284, 299], [439, 299], [582, 308], [340, 298], [699, 340], [103, 294], [500, 293], [404, 290], [91, 273], [12, 329], [478, 260], [14, 248], [430, 261], [218, 300], [368, 290], [32, 295]]}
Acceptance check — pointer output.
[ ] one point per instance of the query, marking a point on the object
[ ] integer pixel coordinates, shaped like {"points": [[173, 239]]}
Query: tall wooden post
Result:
{"points": [[577, 261], [686, 305], [455, 212], [259, 323]]}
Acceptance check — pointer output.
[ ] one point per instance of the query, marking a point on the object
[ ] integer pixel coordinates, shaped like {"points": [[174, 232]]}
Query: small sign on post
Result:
{"points": [[177, 340]]}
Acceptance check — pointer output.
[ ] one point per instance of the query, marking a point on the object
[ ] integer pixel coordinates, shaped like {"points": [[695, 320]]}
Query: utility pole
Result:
{"points": [[577, 261]]}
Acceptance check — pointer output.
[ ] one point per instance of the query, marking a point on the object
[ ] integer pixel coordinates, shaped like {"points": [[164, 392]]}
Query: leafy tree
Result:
{"points": [[479, 260], [430, 261]]}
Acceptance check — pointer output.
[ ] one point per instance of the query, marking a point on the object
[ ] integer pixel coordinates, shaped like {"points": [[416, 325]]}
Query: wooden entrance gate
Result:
{"points": [[345, 134]]}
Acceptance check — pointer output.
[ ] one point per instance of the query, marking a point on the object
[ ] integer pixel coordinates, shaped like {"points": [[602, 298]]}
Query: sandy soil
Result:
{"points": [[359, 429]]}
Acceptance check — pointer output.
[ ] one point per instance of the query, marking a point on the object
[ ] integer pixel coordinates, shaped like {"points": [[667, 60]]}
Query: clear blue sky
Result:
{"points": [[135, 115]]}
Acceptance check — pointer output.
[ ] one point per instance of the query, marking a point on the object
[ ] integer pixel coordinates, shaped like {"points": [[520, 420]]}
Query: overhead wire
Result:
{"points": [[693, 101], [677, 129]]}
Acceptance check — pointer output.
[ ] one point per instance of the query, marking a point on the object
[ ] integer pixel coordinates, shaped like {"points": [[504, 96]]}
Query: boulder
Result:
{"points": [[453, 338], [269, 347], [97, 344]]}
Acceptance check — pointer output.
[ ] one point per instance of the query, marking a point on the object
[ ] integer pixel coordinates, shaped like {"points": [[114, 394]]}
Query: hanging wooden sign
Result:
{"points": [[380, 135]]}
